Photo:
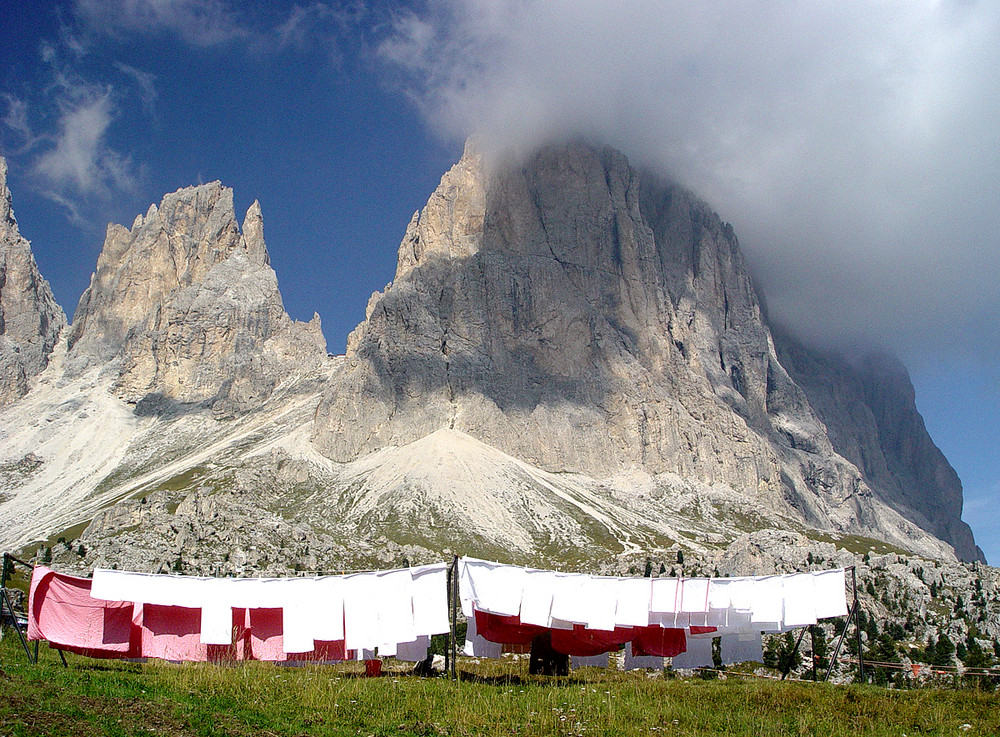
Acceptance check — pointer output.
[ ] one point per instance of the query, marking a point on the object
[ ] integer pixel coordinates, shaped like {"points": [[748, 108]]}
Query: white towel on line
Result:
{"points": [[799, 597], [633, 601], [830, 589], [536, 598]]}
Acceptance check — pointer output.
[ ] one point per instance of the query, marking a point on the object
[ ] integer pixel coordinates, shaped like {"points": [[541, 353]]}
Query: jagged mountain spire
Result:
{"points": [[30, 319]]}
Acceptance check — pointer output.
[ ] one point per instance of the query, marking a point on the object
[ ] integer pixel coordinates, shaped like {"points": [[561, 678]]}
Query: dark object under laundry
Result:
{"points": [[544, 661]]}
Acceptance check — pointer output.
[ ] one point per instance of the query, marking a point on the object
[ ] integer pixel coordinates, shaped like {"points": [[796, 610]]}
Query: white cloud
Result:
{"points": [[79, 159], [853, 145], [15, 120], [145, 82], [198, 22]]}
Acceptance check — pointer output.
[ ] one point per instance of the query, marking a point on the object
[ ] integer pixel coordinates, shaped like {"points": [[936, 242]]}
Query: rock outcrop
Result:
{"points": [[582, 316], [188, 309], [30, 319]]}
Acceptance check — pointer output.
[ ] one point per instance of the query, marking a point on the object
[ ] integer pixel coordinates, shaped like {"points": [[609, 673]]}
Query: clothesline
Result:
{"points": [[129, 614]]}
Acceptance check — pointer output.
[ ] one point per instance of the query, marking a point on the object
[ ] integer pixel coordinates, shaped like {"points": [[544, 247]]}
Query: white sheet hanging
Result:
{"points": [[694, 596], [536, 597], [216, 625], [494, 587], [634, 598], [569, 599], [767, 602], [430, 599], [396, 613], [741, 649], [362, 603], [327, 610], [664, 596], [799, 597], [602, 594], [697, 655], [830, 590]]}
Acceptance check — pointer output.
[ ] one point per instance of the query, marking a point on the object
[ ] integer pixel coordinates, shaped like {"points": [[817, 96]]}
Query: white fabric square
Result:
{"points": [[664, 595], [718, 593], [694, 596], [697, 655], [602, 593], [430, 599], [799, 597], [327, 609], [361, 612], [830, 589], [569, 602], [395, 594], [633, 602], [494, 587], [767, 602], [740, 649], [216, 625], [741, 593], [536, 598]]}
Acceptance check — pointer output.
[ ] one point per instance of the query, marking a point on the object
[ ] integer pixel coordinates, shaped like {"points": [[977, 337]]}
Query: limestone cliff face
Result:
{"points": [[30, 319], [868, 405], [188, 308], [582, 316]]}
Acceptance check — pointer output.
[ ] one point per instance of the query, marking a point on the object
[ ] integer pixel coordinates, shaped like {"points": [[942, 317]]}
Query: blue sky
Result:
{"points": [[854, 146]]}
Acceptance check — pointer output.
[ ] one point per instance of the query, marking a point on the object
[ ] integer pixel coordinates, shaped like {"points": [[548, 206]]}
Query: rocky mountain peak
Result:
{"points": [[30, 319], [188, 307], [7, 219], [584, 316]]}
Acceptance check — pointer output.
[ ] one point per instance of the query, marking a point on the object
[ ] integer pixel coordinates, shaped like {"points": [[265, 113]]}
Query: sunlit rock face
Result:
{"points": [[30, 319], [586, 317], [188, 308]]}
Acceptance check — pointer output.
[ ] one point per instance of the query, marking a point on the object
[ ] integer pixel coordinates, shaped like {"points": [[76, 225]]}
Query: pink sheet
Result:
{"points": [[61, 610]]}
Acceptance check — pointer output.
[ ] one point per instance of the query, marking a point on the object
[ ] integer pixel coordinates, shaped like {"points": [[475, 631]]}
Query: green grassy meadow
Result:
{"points": [[498, 698]]}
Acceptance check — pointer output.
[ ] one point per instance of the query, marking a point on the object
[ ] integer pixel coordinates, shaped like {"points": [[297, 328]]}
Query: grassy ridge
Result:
{"points": [[112, 698]]}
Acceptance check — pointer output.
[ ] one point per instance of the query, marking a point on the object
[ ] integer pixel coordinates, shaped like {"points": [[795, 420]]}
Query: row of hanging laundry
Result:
{"points": [[586, 616], [120, 614], [126, 614]]}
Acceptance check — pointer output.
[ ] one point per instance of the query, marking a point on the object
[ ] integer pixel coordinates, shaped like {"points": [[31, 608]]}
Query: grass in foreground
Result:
{"points": [[112, 698]]}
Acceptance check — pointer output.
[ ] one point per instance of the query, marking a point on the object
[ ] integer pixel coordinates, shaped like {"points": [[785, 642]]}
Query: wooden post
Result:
{"points": [[812, 641], [454, 618]]}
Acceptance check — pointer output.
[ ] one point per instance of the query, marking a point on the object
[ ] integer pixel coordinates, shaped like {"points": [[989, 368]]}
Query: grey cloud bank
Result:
{"points": [[855, 147]]}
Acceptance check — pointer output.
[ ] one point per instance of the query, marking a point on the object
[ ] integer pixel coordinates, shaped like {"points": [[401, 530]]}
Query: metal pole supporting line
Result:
{"points": [[853, 611], [454, 618], [795, 650], [3, 574], [857, 624], [840, 641], [12, 559], [17, 626]]}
